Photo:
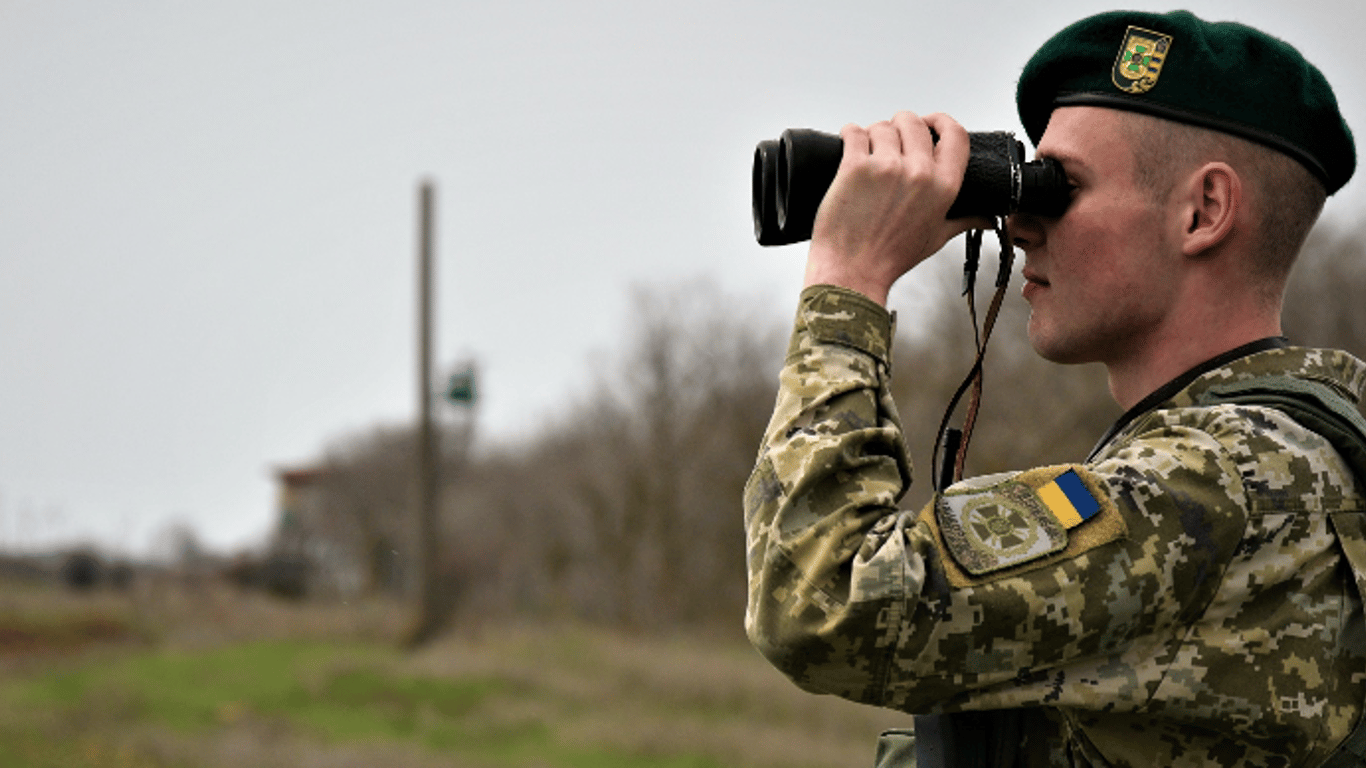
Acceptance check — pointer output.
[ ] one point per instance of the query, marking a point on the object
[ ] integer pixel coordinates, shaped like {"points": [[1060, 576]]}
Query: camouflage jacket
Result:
{"points": [[1179, 598]]}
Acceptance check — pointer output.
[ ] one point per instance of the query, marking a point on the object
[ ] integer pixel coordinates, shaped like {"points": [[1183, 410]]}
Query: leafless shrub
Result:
{"points": [[627, 509]]}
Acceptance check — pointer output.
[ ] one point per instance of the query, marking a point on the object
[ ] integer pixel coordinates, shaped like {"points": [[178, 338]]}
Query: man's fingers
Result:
{"points": [[914, 133], [855, 139], [951, 152], [885, 138]]}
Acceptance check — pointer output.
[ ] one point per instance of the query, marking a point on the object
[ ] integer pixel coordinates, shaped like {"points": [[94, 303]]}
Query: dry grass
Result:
{"points": [[524, 695], [678, 695], [667, 695]]}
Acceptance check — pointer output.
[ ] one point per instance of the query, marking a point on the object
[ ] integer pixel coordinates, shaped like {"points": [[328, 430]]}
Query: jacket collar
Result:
{"points": [[1273, 355]]}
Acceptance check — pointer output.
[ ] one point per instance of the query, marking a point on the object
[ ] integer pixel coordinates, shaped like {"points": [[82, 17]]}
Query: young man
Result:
{"points": [[1184, 596]]}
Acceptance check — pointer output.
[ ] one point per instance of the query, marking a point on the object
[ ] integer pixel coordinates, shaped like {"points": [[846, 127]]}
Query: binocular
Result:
{"points": [[792, 173]]}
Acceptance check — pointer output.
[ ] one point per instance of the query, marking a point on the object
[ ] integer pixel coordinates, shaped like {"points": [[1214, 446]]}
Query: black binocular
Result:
{"points": [[792, 173]]}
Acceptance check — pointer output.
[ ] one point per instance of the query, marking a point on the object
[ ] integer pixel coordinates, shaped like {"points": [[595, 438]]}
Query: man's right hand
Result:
{"points": [[884, 212]]}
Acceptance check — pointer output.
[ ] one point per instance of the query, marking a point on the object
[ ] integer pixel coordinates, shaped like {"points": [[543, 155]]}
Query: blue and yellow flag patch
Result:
{"points": [[1069, 500], [990, 527]]}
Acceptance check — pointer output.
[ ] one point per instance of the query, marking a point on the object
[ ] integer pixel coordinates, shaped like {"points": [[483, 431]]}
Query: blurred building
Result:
{"points": [[325, 543], [306, 556]]}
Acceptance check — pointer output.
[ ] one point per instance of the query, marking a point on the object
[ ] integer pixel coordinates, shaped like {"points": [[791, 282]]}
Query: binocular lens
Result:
{"points": [[764, 197]]}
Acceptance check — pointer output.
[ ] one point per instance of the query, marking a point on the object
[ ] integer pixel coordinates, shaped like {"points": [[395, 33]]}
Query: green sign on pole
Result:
{"points": [[461, 389]]}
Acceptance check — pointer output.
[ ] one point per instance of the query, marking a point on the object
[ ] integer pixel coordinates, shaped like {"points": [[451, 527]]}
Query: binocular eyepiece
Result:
{"points": [[792, 173]]}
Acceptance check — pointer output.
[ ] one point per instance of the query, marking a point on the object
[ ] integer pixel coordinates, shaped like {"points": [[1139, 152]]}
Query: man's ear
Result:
{"points": [[1210, 204]]}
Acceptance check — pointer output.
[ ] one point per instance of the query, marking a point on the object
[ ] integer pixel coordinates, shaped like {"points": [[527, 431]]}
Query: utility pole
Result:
{"points": [[428, 618]]}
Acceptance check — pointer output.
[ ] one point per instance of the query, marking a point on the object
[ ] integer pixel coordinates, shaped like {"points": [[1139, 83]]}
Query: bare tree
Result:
{"points": [[626, 508]]}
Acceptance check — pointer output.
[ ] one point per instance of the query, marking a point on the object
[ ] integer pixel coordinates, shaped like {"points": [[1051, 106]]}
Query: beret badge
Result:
{"points": [[1140, 60]]}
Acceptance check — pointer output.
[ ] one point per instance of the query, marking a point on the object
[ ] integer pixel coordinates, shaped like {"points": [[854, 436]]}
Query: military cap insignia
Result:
{"points": [[1013, 522], [1140, 60]]}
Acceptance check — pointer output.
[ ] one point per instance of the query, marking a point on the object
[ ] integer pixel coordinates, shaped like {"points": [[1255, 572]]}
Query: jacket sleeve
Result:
{"points": [[831, 469]]}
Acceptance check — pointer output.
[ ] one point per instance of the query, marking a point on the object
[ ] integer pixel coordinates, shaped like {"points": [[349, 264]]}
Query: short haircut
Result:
{"points": [[1285, 198]]}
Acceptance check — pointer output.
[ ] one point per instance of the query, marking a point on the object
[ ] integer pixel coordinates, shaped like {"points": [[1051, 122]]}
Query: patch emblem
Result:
{"points": [[1006, 525], [1140, 60]]}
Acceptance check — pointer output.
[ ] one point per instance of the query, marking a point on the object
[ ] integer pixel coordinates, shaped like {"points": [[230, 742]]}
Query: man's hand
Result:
{"points": [[884, 212]]}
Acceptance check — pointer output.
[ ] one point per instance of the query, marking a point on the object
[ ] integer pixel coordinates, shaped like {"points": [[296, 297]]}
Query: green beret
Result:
{"points": [[1224, 76]]}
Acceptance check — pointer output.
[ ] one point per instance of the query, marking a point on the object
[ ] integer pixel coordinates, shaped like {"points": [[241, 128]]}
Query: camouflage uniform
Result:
{"points": [[1200, 614]]}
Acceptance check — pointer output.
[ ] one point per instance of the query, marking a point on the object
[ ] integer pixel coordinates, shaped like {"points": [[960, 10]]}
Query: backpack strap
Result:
{"points": [[1320, 409], [1316, 407], [1350, 528]]}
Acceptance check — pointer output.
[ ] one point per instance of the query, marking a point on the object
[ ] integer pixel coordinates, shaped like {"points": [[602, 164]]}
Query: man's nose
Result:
{"points": [[1025, 230]]}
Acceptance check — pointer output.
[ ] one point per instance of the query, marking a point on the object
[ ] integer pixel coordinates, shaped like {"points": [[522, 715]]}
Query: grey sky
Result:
{"points": [[207, 209]]}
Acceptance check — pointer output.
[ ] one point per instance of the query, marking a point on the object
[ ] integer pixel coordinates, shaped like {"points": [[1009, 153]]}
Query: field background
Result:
{"points": [[202, 674]]}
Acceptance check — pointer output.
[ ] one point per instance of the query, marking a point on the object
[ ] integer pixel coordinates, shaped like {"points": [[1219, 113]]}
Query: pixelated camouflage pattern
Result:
{"points": [[1211, 621]]}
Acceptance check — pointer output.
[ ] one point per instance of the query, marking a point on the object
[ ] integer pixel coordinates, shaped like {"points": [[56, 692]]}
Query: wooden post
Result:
{"points": [[428, 618]]}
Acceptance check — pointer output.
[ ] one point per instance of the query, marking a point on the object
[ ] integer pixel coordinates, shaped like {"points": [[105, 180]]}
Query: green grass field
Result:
{"points": [[208, 677]]}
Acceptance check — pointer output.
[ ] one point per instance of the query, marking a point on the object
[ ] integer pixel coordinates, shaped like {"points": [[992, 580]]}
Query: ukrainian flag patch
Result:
{"points": [[1069, 500]]}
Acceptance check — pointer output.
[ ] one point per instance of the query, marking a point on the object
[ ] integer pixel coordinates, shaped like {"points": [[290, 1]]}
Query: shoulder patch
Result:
{"points": [[1016, 521]]}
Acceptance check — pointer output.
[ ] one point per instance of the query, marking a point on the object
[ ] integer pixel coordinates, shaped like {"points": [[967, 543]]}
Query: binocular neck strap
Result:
{"points": [[953, 441]]}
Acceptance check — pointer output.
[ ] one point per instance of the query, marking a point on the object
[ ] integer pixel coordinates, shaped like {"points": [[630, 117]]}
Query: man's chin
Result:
{"points": [[1055, 350]]}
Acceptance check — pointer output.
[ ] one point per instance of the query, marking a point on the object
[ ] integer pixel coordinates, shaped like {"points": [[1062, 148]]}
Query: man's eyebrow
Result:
{"points": [[1069, 161]]}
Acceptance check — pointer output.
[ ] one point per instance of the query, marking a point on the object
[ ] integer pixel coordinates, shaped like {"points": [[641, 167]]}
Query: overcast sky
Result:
{"points": [[207, 209]]}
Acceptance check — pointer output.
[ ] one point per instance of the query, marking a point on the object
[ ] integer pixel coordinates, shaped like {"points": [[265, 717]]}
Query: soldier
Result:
{"points": [[1186, 594]]}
